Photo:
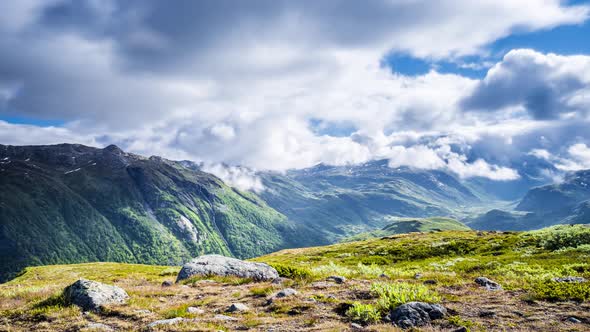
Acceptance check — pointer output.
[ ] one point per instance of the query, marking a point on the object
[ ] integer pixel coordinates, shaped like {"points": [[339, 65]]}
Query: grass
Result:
{"points": [[381, 276]]}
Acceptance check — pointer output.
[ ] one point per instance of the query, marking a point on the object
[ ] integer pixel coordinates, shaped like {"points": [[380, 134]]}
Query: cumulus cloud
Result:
{"points": [[546, 86], [241, 83], [238, 177]]}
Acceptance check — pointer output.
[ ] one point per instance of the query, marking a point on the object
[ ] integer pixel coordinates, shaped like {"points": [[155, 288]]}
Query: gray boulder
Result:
{"points": [[488, 284], [414, 314], [91, 295], [226, 266]]}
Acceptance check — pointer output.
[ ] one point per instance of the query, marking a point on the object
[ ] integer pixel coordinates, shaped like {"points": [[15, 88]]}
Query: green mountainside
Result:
{"points": [[341, 201], [72, 203], [411, 225]]}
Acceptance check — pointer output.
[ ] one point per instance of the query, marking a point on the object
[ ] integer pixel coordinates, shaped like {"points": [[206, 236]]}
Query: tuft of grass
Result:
{"points": [[261, 291], [363, 313], [392, 296]]}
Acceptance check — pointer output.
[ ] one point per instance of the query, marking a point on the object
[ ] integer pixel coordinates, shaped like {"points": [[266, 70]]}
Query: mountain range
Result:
{"points": [[71, 203]]}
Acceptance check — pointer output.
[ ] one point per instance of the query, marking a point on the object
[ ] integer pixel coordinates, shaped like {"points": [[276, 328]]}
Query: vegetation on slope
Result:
{"points": [[382, 274], [409, 225]]}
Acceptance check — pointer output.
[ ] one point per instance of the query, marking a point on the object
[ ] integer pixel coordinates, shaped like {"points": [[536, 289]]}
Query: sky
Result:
{"points": [[495, 89]]}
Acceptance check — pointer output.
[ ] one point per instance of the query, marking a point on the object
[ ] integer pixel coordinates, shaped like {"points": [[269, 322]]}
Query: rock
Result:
{"points": [[170, 321], [430, 282], [570, 279], [414, 314], [237, 307], [323, 284], [337, 279], [573, 320], [356, 326], [280, 281], [417, 275], [142, 312], [224, 318], [488, 284], [461, 329], [167, 283], [195, 310], [226, 266], [384, 276], [285, 293], [487, 313], [91, 295], [99, 327]]}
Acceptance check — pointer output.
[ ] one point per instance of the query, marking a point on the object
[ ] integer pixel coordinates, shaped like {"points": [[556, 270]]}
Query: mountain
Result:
{"points": [[567, 202], [411, 225], [340, 201], [72, 203]]}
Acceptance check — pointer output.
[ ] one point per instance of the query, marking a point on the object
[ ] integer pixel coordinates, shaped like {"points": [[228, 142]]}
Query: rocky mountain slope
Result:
{"points": [[72, 203], [567, 202], [340, 201]]}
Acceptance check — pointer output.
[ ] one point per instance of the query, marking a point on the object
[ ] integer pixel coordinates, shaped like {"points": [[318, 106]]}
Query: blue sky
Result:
{"points": [[290, 84]]}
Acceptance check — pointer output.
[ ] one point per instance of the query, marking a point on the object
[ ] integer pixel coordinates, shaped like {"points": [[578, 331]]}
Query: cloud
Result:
{"points": [[238, 177], [242, 84], [578, 158], [546, 86]]}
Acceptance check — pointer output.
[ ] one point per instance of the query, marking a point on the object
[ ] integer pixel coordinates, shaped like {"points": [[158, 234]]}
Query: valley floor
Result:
{"points": [[439, 266]]}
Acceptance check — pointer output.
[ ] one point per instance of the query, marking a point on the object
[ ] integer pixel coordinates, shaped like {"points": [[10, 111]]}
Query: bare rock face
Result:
{"points": [[91, 295], [226, 266]]}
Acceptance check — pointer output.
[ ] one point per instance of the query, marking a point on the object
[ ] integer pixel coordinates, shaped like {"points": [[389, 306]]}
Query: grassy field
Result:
{"points": [[382, 274]]}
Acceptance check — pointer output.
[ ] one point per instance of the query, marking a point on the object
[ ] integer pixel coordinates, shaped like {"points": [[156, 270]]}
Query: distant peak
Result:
{"points": [[113, 148]]}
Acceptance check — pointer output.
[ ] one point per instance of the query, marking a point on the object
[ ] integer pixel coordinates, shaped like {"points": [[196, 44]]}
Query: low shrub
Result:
{"points": [[292, 272], [364, 313], [561, 291]]}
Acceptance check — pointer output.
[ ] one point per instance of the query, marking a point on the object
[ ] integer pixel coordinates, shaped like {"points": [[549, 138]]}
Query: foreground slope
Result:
{"points": [[72, 203], [447, 264]]}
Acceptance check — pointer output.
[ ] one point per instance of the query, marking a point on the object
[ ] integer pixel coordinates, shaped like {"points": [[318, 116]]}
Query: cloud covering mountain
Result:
{"points": [[289, 84]]}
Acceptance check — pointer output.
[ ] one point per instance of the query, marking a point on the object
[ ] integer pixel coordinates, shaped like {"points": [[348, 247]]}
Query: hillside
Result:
{"points": [[411, 225], [72, 203], [438, 267], [341, 201], [566, 202]]}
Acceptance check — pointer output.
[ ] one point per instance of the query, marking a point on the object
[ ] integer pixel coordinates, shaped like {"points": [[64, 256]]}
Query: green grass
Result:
{"points": [[364, 313], [409, 225], [392, 295]]}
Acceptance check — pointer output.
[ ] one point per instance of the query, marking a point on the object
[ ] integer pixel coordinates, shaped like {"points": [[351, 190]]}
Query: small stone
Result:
{"points": [[285, 293], [461, 329], [430, 282], [224, 318], [384, 276], [167, 283], [170, 321], [574, 320], [486, 313], [488, 283], [195, 310], [337, 279], [417, 275], [570, 279], [142, 312], [356, 326], [280, 281], [99, 327], [237, 307]]}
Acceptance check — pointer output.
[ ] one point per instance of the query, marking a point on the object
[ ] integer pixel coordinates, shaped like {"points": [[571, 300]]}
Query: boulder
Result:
{"points": [[167, 283], [488, 283], [91, 295], [285, 293], [414, 314], [226, 266]]}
